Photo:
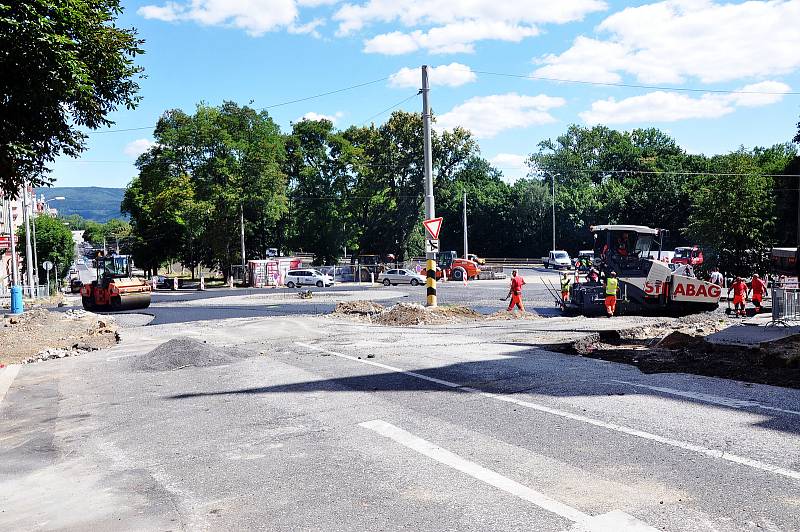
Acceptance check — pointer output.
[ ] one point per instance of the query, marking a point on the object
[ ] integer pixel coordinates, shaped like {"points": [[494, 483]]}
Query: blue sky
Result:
{"points": [[272, 51]]}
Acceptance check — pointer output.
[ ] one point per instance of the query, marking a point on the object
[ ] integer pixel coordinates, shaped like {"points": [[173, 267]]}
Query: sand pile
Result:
{"points": [[413, 314], [181, 353], [358, 308], [505, 315]]}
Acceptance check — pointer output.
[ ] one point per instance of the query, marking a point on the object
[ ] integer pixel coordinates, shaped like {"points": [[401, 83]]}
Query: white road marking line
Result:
{"points": [[7, 377], [714, 453], [616, 520], [708, 398]]}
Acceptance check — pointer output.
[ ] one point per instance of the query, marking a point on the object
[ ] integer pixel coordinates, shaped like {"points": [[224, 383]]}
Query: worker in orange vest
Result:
{"points": [[759, 289], [739, 289], [515, 292]]}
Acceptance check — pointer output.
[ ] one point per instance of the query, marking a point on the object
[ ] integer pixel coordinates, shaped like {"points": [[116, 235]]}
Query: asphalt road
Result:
{"points": [[319, 424], [484, 296]]}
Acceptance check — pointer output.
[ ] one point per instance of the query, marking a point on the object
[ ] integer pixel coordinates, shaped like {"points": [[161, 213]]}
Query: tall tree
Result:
{"points": [[64, 66], [320, 165], [733, 211], [53, 243]]}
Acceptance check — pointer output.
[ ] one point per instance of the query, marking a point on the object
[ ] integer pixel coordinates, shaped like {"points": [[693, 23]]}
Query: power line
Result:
{"points": [[271, 106], [398, 104], [633, 85]]}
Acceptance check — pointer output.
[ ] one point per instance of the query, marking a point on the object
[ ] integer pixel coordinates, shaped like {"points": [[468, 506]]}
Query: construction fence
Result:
{"points": [[785, 304]]}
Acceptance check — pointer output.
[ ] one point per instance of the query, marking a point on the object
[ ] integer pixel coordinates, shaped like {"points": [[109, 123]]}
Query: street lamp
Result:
{"points": [[33, 232], [553, 179]]}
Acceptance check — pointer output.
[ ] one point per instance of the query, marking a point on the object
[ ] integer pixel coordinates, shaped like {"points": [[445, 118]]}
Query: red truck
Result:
{"points": [[691, 255]]}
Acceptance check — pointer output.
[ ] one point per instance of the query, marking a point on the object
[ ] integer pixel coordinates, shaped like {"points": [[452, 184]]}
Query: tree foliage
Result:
{"points": [[204, 172], [53, 242], [64, 66]]}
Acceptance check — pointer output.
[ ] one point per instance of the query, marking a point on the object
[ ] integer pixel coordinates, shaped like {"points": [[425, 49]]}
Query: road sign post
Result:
{"points": [[47, 265]]}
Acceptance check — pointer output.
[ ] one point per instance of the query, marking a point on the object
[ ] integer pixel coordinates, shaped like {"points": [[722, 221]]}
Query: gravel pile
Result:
{"points": [[506, 315], [413, 314], [181, 353], [358, 308]]}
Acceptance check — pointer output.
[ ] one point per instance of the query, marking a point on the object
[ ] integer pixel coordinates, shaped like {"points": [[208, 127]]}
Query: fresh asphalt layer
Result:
{"points": [[324, 424]]}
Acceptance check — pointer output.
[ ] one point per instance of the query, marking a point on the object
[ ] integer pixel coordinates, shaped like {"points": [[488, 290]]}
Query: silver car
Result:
{"points": [[395, 277]]}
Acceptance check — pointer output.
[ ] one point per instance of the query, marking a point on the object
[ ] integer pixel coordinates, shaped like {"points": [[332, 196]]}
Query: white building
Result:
{"points": [[14, 208]]}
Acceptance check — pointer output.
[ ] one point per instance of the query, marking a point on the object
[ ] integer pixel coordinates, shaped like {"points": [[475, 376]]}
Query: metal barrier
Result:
{"points": [[39, 292], [785, 305]]}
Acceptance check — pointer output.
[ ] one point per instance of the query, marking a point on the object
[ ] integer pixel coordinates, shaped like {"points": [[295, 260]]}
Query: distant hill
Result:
{"points": [[93, 203]]}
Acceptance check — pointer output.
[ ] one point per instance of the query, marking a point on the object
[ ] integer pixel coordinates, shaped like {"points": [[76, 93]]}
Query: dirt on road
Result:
{"points": [[40, 334], [405, 314]]}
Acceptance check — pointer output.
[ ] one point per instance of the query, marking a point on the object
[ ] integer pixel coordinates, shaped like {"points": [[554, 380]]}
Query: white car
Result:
{"points": [[307, 277], [395, 277]]}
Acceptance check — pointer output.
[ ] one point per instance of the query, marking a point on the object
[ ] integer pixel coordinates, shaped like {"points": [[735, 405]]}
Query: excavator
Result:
{"points": [[646, 286], [115, 288]]}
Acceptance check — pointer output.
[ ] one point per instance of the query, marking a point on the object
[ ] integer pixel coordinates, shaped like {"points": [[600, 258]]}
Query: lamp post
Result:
{"points": [[33, 232], [553, 179]]}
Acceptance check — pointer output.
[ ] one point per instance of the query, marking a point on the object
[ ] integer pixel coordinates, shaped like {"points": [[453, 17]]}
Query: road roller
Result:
{"points": [[115, 288]]}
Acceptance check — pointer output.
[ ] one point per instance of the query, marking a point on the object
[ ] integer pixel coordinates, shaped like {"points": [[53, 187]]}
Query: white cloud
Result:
{"points": [[452, 75], [449, 39], [256, 17], [137, 147], [455, 27], [311, 115], [661, 106], [410, 13], [672, 40], [486, 116], [512, 165]]}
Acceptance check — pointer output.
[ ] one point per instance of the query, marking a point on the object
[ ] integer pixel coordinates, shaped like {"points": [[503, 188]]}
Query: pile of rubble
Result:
{"points": [[40, 334], [683, 347], [404, 314]]}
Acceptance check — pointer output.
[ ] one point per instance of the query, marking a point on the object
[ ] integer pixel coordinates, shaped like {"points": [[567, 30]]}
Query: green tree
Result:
{"points": [[733, 212], [64, 66], [53, 243], [206, 170], [320, 165]]}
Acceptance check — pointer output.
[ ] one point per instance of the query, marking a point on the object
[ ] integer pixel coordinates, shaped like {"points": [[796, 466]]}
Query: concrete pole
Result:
{"points": [[11, 243], [466, 246], [553, 178], [28, 249], [35, 253], [430, 208], [241, 227]]}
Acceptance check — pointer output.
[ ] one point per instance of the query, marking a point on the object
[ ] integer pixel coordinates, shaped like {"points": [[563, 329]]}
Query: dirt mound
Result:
{"points": [[412, 314], [35, 334], [358, 308], [181, 353]]}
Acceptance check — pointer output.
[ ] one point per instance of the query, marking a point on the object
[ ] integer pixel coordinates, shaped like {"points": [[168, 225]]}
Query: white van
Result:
{"points": [[307, 277]]}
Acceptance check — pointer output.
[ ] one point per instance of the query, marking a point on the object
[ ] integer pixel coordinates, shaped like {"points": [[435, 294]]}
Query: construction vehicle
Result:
{"points": [[115, 289], [646, 286], [691, 255], [449, 265], [785, 261]]}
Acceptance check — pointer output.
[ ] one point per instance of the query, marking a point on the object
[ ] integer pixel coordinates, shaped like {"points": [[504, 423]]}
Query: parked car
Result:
{"points": [[307, 277], [400, 276], [557, 259]]}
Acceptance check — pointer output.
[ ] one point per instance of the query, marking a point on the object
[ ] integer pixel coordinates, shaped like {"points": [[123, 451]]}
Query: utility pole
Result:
{"points": [[466, 247], [430, 209], [241, 226], [553, 178], [28, 248], [11, 244], [35, 253]]}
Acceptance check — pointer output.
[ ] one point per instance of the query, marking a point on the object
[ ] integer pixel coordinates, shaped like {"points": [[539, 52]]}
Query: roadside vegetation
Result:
{"points": [[321, 190]]}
